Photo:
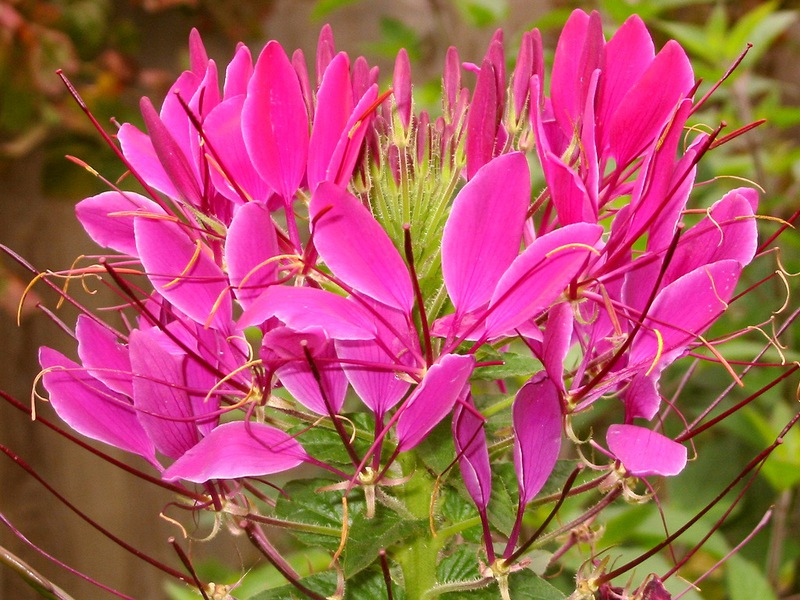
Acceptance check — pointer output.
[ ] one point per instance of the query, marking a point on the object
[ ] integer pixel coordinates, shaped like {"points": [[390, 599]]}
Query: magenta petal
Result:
{"points": [[570, 197], [728, 232], [198, 58], [473, 455], [275, 122], [250, 250], [173, 157], [310, 309], [323, 397], [482, 120], [539, 276], [628, 54], [645, 452], [108, 218], [160, 396], [537, 435], [183, 272], [557, 341], [238, 449], [357, 249], [334, 106], [679, 322], [238, 73], [482, 235], [646, 107], [565, 84], [223, 129], [92, 409], [401, 87], [103, 356], [347, 151], [139, 152], [642, 398], [434, 397]]}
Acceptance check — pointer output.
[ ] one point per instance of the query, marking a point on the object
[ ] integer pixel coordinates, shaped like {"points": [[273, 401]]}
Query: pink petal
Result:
{"points": [[537, 435], [357, 249], [628, 54], [275, 122], [642, 398], [223, 129], [680, 322], [188, 278], [565, 86], [238, 73], [334, 107], [645, 452], [238, 449], [557, 341], [296, 375], [139, 152], [539, 276], [92, 409], [646, 107], [433, 399], [371, 371], [160, 395], [482, 120], [401, 87], [108, 218], [198, 58], [570, 197], [103, 356], [172, 157], [482, 235], [250, 249], [729, 232], [348, 149], [308, 309], [473, 455]]}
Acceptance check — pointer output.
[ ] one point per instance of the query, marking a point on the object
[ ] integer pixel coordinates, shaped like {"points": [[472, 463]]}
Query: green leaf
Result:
{"points": [[323, 443], [745, 581], [437, 450], [366, 537], [505, 497], [461, 565], [522, 584], [514, 365], [322, 583], [307, 504]]}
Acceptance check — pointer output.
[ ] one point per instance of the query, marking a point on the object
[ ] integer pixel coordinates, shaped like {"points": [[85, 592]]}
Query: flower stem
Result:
{"points": [[418, 559]]}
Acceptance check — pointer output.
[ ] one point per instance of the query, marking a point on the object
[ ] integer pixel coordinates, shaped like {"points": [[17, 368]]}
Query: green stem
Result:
{"points": [[419, 558]]}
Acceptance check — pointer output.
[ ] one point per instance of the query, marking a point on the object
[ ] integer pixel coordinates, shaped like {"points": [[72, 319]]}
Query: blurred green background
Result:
{"points": [[116, 51]]}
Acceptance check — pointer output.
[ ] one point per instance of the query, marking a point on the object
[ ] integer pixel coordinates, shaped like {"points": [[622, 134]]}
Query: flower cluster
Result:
{"points": [[309, 248]]}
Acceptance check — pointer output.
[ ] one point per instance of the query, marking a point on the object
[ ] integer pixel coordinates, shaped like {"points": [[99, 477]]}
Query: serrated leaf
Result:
{"points": [[522, 584], [437, 450], [366, 537], [505, 496], [322, 583], [306, 504], [461, 565]]}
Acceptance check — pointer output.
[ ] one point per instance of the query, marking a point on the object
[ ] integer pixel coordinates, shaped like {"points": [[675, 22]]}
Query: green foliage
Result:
{"points": [[482, 13]]}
